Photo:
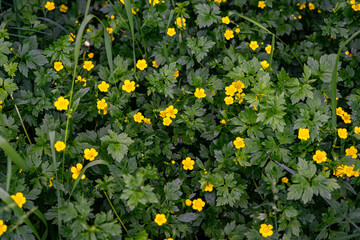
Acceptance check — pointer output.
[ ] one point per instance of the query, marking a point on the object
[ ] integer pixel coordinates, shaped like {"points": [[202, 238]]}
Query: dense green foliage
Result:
{"points": [[221, 115]]}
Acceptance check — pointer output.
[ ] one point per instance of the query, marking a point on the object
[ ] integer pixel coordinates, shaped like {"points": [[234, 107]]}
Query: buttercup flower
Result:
{"points": [[167, 121], [229, 100], [154, 2], [154, 64], [76, 171], [223, 121], [80, 79], [50, 6], [188, 202], [265, 230], [147, 120], [265, 64], [311, 6], [356, 7], [304, 134], [230, 90], [88, 65], [188, 163], [176, 74], [357, 130], [58, 66], [61, 104], [3, 227], [102, 105], [253, 45], [342, 132], [138, 117], [200, 93], [261, 4], [171, 111], [141, 64], [71, 37], [91, 55], [160, 219], [239, 85], [285, 180], [109, 30], [180, 22], [90, 154], [103, 87], [225, 20], [320, 156], [239, 143], [237, 30], [339, 111], [198, 204], [209, 187], [352, 151], [19, 199], [128, 86], [50, 182], [59, 146], [63, 8], [171, 32], [229, 34], [346, 117], [268, 49]]}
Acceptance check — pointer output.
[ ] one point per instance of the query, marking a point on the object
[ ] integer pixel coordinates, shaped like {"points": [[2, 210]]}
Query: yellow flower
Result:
{"points": [[253, 45], [265, 64], [198, 204], [50, 182], [171, 32], [154, 2], [60, 146], [88, 65], [239, 85], [346, 117], [218, 1], [339, 111], [304, 134], [356, 7], [80, 79], [301, 6], [172, 161], [225, 20], [229, 100], [128, 86], [122, 1], [160, 219], [147, 120], [50, 6], [268, 49], [342, 132], [154, 64], [76, 171], [181, 22], [285, 180], [311, 6], [229, 34], [240, 97], [102, 105], [3, 227], [63, 8], [19, 199], [352, 151], [90, 154], [200, 93], [230, 90], [176, 74], [103, 87], [171, 111], [319, 156], [352, 2], [237, 30], [71, 37], [357, 130], [223, 121], [261, 4], [58, 66], [188, 202], [109, 30], [133, 11], [138, 117], [188, 163], [265, 230], [167, 121], [209, 188], [141, 64], [239, 143], [61, 104]]}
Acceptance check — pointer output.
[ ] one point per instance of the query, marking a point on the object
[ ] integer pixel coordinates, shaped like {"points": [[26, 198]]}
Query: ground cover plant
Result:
{"points": [[224, 119]]}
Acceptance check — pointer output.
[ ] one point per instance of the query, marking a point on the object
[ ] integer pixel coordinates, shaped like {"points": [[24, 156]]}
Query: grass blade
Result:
{"points": [[8, 174], [14, 156], [131, 22], [93, 163], [166, 36], [55, 23]]}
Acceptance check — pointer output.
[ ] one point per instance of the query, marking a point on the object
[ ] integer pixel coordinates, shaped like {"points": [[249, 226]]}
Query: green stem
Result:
{"points": [[22, 123], [117, 215]]}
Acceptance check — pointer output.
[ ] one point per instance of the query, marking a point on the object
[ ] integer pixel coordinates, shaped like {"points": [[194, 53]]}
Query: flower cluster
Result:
{"points": [[344, 115], [354, 6], [346, 170], [167, 114], [234, 90], [102, 105], [76, 171], [81, 80], [139, 118]]}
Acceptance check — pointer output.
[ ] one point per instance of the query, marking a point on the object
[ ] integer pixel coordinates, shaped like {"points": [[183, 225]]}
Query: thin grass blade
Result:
{"points": [[15, 157]]}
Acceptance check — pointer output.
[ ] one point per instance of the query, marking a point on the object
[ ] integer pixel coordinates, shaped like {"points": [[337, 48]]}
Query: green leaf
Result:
{"points": [[199, 47], [171, 190], [207, 15], [118, 144], [4, 50], [187, 217]]}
